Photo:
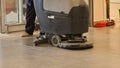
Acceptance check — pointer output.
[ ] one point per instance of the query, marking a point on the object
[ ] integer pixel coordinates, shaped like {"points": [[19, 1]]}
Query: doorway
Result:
{"points": [[108, 9], [0, 17]]}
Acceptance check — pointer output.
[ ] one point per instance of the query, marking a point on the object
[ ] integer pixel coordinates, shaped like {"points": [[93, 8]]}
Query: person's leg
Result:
{"points": [[30, 19]]}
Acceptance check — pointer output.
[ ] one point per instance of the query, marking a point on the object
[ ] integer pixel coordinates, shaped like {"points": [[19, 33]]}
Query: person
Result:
{"points": [[30, 18], [78, 15]]}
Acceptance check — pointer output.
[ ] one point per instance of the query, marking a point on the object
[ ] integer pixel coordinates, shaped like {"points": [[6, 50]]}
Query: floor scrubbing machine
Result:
{"points": [[60, 28]]}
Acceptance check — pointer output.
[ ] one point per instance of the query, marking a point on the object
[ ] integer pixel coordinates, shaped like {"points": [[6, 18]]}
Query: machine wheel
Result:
{"points": [[55, 40]]}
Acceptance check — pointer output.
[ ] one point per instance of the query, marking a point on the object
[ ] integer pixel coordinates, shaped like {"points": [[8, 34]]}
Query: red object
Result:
{"points": [[110, 23], [100, 24]]}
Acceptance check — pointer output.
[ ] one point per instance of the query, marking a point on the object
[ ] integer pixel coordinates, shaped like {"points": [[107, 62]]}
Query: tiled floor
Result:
{"points": [[17, 52]]}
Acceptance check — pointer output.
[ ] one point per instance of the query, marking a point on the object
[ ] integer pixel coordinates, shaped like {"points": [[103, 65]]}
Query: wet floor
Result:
{"points": [[17, 52]]}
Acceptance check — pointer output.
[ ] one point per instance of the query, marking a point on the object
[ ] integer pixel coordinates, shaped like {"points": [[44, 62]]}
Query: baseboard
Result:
{"points": [[15, 27]]}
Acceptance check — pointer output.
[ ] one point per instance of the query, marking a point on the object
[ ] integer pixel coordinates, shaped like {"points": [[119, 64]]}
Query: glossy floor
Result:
{"points": [[17, 52]]}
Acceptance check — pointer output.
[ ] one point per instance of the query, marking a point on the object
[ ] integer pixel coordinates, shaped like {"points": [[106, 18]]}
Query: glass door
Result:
{"points": [[21, 11], [11, 15], [14, 11]]}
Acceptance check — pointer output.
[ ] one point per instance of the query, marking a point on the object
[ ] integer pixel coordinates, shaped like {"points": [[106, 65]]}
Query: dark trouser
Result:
{"points": [[30, 19]]}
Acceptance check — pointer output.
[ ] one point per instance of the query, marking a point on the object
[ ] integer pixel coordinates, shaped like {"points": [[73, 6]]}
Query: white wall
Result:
{"points": [[116, 1], [114, 7], [99, 10]]}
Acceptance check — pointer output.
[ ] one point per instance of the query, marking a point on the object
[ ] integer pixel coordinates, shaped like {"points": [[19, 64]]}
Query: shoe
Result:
{"points": [[25, 34], [40, 40]]}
